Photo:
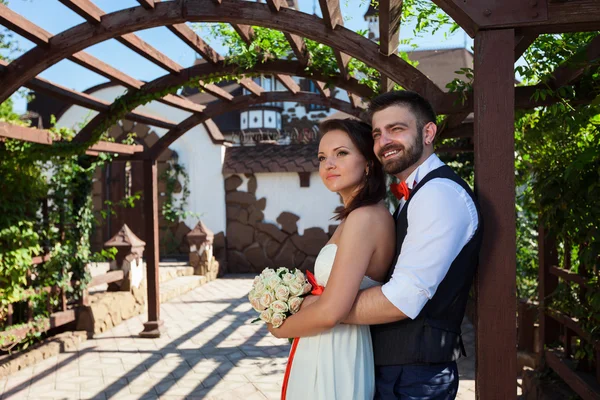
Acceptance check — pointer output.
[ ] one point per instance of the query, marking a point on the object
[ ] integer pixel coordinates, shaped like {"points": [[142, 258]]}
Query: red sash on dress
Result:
{"points": [[317, 291]]}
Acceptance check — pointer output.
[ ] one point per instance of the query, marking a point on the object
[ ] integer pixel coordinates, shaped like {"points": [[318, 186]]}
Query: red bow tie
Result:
{"points": [[400, 190]]}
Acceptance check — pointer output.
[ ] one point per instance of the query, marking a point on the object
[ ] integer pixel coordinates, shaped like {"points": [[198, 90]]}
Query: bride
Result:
{"points": [[332, 360]]}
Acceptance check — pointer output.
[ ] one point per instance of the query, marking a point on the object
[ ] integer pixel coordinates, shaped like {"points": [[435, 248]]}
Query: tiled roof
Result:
{"points": [[271, 158]]}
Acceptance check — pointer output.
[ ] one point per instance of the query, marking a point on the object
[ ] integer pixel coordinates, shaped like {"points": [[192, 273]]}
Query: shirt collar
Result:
{"points": [[432, 162]]}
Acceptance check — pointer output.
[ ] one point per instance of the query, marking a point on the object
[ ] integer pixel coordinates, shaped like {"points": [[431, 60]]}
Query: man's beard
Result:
{"points": [[410, 155]]}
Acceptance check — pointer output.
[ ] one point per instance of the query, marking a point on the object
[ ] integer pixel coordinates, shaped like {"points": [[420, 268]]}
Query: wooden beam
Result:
{"points": [[122, 22], [109, 277], [583, 387], [43, 136], [16, 23], [460, 131], [88, 101], [242, 103], [216, 91], [288, 82], [459, 15], [355, 100], [151, 54], [387, 85], [93, 14], [245, 31], [332, 13], [296, 42], [147, 4], [522, 43], [549, 328], [252, 86], [450, 122], [325, 92], [185, 33], [275, 5], [494, 100], [85, 9], [41, 37], [573, 68], [332, 16], [152, 328], [299, 48], [390, 13], [116, 148], [454, 149], [527, 17], [18, 132]]}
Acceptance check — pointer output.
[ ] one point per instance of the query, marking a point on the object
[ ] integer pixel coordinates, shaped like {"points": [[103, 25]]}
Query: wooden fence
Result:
{"points": [[557, 329], [65, 314]]}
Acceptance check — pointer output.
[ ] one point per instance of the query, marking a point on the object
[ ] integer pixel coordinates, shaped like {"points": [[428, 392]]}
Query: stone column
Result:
{"points": [[130, 249], [200, 239]]}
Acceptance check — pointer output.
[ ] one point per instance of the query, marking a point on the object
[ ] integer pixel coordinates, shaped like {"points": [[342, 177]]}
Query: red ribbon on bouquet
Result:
{"points": [[316, 291]]}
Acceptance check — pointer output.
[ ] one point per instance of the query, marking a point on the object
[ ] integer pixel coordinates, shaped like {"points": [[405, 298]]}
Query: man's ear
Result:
{"points": [[429, 133]]}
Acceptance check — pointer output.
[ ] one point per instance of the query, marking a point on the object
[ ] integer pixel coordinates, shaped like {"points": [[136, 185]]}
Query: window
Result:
{"points": [[314, 107]]}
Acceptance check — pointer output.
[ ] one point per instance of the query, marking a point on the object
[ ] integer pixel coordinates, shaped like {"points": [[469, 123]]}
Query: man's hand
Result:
{"points": [[308, 300], [275, 331]]}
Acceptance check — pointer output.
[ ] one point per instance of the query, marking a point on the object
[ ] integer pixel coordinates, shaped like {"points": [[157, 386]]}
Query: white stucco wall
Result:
{"points": [[314, 204], [202, 159]]}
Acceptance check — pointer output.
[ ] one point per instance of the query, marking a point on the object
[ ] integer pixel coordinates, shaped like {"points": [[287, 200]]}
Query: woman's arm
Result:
{"points": [[356, 246]]}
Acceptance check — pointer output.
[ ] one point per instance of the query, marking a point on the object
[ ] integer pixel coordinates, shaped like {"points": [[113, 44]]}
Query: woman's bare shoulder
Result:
{"points": [[374, 216]]}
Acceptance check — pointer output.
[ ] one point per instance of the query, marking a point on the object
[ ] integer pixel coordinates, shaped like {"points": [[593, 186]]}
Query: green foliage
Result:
{"points": [[177, 181], [558, 167], [45, 207]]}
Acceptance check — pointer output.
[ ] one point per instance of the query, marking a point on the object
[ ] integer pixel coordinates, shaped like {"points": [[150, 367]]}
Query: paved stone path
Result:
{"points": [[209, 351]]}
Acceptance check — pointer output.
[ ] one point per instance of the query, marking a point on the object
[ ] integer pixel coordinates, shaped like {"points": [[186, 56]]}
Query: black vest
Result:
{"points": [[434, 335]]}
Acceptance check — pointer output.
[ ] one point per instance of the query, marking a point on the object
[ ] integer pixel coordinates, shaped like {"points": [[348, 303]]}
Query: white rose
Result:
{"points": [[296, 289], [267, 272], [273, 282], [266, 299], [288, 278], [259, 287], [281, 270], [266, 316], [256, 305], [256, 280], [279, 306], [294, 304], [300, 278], [277, 320], [282, 293], [307, 288]]}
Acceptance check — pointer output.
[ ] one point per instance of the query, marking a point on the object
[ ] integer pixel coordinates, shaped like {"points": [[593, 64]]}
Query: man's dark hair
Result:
{"points": [[416, 103], [373, 190]]}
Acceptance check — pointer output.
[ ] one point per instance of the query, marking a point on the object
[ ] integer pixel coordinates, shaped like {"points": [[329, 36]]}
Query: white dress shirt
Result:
{"points": [[442, 218]]}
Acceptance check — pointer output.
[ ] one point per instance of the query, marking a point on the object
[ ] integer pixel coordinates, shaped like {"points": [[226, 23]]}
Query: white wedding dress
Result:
{"points": [[336, 364]]}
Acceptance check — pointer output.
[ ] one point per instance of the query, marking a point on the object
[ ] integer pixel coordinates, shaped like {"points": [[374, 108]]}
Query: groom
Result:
{"points": [[416, 315]]}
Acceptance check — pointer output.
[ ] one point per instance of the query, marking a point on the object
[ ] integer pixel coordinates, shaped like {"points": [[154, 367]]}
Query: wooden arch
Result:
{"points": [[117, 24], [223, 68], [241, 103]]}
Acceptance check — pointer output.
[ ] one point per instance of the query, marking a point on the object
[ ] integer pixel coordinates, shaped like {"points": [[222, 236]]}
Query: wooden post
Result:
{"points": [[494, 104], [548, 256], [152, 327]]}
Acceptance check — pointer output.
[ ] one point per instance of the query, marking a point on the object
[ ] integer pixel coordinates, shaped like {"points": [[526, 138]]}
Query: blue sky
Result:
{"points": [[54, 17]]}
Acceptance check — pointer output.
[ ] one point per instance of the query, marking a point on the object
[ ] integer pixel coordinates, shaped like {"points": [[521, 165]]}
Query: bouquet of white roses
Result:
{"points": [[278, 294]]}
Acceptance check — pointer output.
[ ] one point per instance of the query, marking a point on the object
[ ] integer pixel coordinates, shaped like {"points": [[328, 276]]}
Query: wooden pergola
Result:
{"points": [[502, 30]]}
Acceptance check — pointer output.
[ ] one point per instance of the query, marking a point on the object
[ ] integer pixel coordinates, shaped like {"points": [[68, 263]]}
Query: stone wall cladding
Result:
{"points": [[67, 341], [107, 310], [253, 244]]}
